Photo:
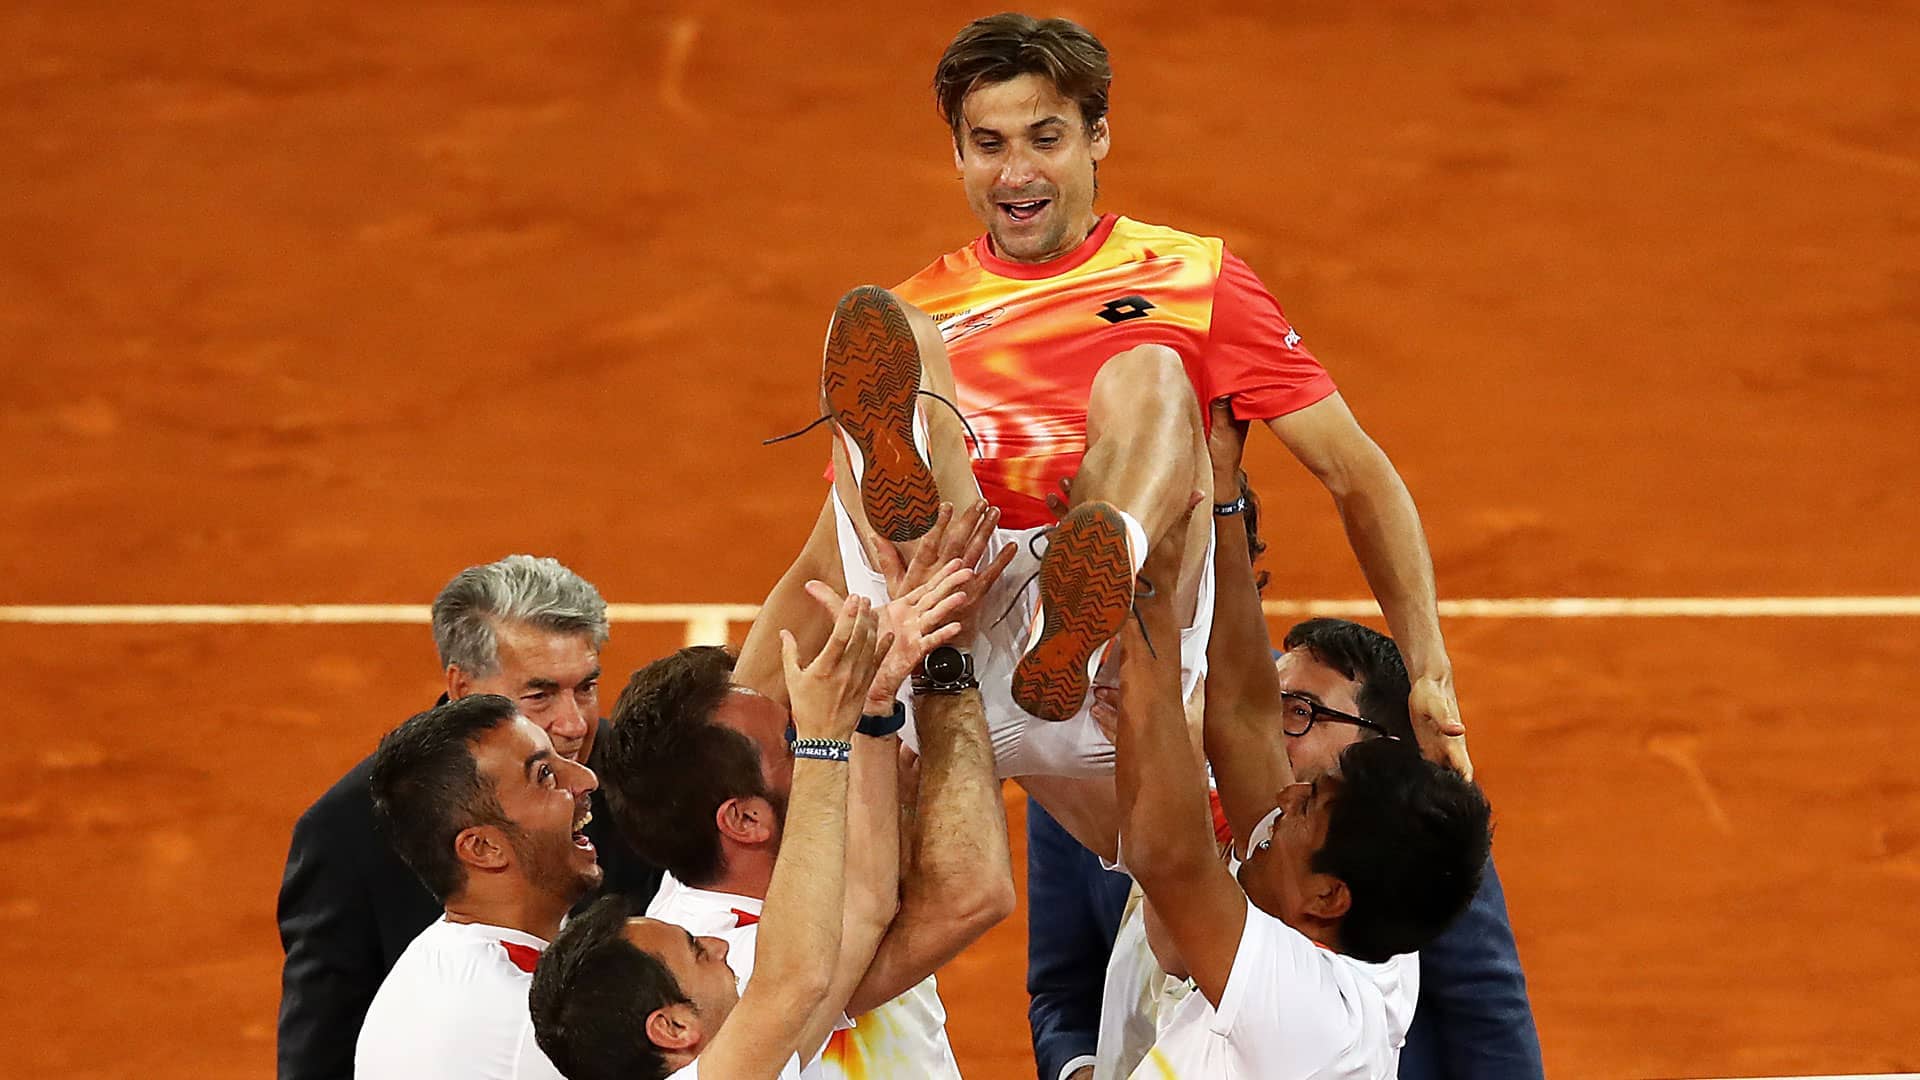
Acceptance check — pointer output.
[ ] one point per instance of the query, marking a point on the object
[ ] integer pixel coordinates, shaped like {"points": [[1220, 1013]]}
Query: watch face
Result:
{"points": [[945, 664]]}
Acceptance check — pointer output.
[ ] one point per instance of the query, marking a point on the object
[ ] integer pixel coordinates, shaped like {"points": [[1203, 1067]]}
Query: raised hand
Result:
{"points": [[1437, 725], [828, 693], [965, 538], [1226, 443], [916, 623]]}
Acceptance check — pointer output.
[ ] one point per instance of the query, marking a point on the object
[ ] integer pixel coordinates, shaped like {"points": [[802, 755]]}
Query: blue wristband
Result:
{"points": [[879, 726], [823, 749]]}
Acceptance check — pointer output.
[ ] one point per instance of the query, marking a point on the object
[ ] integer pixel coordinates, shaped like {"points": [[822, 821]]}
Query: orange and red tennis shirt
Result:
{"points": [[1026, 340]]}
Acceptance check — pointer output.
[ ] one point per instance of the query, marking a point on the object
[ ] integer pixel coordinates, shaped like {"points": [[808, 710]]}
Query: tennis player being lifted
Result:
{"points": [[1076, 345]]}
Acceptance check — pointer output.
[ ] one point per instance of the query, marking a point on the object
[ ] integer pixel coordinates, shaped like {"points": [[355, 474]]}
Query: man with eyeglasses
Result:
{"points": [[1341, 682]]}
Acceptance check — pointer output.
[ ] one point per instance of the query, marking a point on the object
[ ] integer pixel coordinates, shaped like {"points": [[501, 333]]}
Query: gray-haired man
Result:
{"points": [[526, 628]]}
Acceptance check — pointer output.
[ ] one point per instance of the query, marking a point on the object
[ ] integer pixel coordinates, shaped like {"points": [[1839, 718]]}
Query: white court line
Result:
{"points": [[707, 623], [1563, 607], [1641, 607]]}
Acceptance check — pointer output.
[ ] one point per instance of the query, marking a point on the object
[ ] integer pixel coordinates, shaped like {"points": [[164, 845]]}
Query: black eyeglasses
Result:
{"points": [[1298, 712]]}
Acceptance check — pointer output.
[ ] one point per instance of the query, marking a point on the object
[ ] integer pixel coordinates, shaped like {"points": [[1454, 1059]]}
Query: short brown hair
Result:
{"points": [[1000, 48], [669, 766], [427, 788]]}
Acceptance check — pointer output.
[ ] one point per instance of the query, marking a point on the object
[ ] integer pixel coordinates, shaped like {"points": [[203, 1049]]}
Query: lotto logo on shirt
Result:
{"points": [[1127, 307]]}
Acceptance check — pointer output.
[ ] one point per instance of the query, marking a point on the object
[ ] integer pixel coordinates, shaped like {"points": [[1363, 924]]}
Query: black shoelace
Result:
{"points": [[1141, 587], [973, 441]]}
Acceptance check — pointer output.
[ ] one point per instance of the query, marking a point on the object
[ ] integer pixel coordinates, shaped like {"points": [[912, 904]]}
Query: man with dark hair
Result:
{"points": [[622, 997], [1302, 950], [1340, 682], [701, 770], [525, 627], [685, 741], [477, 802]]}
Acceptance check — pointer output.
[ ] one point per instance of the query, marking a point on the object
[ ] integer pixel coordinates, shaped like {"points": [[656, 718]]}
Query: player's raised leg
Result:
{"points": [[879, 353], [1146, 447], [1145, 462], [901, 452]]}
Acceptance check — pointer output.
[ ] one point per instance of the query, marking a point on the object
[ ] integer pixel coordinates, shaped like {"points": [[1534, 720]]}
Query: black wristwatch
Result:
{"points": [[946, 670]]}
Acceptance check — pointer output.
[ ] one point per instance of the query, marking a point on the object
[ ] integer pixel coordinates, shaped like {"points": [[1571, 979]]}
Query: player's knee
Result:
{"points": [[1144, 379]]}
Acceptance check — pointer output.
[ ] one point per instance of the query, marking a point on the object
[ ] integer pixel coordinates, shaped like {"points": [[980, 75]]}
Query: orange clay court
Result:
{"points": [[320, 303]]}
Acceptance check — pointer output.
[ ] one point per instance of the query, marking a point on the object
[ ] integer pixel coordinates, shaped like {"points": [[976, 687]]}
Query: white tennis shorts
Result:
{"points": [[1023, 744]]}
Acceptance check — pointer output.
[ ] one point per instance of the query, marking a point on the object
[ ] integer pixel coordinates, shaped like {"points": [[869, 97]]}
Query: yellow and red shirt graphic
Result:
{"points": [[1026, 340], [906, 1037]]}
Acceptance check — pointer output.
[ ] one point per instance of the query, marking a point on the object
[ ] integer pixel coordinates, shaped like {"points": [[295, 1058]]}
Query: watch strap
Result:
{"points": [[881, 725]]}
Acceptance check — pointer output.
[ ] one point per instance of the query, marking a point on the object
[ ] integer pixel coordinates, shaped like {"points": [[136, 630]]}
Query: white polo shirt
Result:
{"points": [[1135, 998], [454, 1007], [1291, 1011], [906, 1037]]}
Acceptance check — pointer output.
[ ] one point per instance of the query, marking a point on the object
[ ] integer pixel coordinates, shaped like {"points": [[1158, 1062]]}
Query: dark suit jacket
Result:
{"points": [[349, 907], [1074, 907], [1473, 1021]]}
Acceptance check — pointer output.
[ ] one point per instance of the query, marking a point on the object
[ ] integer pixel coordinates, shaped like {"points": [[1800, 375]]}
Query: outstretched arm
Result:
{"points": [[800, 923], [1242, 730], [1166, 830], [1384, 528], [961, 881], [873, 878]]}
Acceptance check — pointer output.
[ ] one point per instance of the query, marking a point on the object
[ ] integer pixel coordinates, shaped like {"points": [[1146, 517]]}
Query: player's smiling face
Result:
{"points": [[545, 798], [1027, 160]]}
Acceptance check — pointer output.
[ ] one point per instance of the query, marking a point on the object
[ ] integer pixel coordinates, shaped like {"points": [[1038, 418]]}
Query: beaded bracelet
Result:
{"points": [[823, 749]]}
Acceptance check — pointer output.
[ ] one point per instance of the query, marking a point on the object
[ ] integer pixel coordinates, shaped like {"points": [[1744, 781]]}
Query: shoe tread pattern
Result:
{"points": [[1086, 591], [871, 373]]}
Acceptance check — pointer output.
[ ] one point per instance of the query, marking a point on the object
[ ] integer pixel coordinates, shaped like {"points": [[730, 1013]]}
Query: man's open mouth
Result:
{"points": [[580, 831], [1024, 211]]}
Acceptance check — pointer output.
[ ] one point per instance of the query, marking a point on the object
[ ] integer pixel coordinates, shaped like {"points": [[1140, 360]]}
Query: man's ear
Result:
{"points": [[671, 1027], [459, 683], [1328, 898], [483, 847], [747, 820], [1102, 139], [959, 159]]}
